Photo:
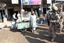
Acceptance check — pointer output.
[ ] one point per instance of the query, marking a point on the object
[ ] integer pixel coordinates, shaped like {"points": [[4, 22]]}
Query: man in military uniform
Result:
{"points": [[54, 24], [61, 21]]}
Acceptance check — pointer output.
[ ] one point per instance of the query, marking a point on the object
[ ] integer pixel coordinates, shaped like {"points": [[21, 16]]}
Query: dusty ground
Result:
{"points": [[15, 36], [42, 37], [11, 37]]}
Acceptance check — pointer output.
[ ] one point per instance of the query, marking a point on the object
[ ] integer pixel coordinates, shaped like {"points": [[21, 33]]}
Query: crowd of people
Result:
{"points": [[32, 20], [54, 19]]}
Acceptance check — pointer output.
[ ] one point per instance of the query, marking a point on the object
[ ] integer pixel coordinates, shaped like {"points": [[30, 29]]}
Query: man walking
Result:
{"points": [[61, 21], [53, 24]]}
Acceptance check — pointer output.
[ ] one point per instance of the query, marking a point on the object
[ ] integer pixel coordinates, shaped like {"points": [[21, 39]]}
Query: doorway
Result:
{"points": [[10, 14]]}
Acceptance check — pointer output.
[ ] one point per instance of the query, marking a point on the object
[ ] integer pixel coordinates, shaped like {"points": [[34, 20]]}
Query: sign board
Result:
{"points": [[59, 0], [30, 2], [49, 1], [15, 1]]}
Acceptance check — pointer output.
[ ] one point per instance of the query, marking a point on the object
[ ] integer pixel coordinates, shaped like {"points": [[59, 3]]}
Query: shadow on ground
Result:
{"points": [[42, 37]]}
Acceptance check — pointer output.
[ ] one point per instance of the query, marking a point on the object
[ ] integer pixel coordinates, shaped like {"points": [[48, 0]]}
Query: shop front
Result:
{"points": [[26, 7], [31, 5], [11, 9], [12, 6]]}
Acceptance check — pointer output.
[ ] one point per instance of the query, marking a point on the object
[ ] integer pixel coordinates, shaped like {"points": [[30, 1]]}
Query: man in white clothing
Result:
{"points": [[33, 21]]}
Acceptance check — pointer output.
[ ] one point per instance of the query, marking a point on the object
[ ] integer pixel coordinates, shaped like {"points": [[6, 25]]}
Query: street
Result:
{"points": [[46, 15], [15, 36]]}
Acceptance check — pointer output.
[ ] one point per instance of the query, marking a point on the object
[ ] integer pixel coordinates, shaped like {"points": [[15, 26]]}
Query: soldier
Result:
{"points": [[61, 21], [53, 24]]}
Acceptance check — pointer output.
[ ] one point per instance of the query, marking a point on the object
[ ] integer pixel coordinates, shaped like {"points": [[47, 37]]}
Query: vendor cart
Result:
{"points": [[25, 21]]}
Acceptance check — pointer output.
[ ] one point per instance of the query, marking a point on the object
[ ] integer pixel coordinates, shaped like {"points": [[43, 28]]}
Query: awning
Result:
{"points": [[6, 1]]}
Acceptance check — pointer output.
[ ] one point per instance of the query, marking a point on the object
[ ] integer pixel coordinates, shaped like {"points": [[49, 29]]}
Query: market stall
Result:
{"points": [[25, 21]]}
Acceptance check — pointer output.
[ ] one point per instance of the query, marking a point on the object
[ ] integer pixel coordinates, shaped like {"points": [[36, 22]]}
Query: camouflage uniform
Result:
{"points": [[53, 25]]}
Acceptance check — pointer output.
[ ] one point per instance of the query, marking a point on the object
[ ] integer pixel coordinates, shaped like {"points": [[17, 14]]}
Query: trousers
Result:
{"points": [[52, 31]]}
